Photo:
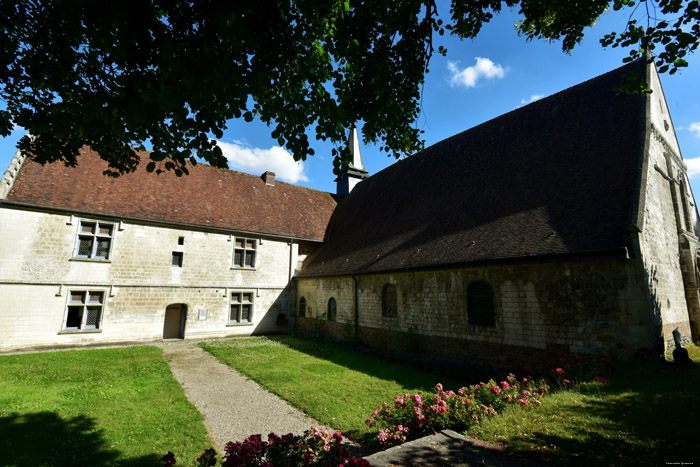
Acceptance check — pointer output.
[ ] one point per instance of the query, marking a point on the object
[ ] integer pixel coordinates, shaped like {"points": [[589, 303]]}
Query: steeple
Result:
{"points": [[355, 172]]}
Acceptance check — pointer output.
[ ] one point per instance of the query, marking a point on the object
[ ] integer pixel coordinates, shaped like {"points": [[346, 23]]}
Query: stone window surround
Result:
{"points": [[95, 236], [332, 312], [248, 248], [481, 318], [238, 299], [84, 304], [390, 302]]}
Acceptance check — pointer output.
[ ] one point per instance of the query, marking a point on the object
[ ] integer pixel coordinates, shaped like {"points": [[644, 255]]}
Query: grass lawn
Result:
{"points": [[94, 407], [337, 387], [646, 415]]}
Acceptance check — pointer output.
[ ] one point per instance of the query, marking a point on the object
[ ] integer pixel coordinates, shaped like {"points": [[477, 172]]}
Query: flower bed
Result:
{"points": [[314, 448], [414, 416]]}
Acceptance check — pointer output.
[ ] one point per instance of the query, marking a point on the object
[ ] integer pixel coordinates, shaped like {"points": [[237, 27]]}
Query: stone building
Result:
{"points": [[87, 259], [564, 225]]}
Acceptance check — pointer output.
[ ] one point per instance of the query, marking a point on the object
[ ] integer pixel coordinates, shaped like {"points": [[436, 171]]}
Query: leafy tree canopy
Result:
{"points": [[114, 75]]}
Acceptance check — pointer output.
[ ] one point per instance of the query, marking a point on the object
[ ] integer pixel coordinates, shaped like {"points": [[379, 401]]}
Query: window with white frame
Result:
{"points": [[84, 309], [94, 240], [244, 253], [241, 307]]}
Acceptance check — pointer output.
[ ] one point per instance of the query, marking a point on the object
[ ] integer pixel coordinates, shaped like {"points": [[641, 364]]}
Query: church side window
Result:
{"points": [[94, 240], [480, 309], [302, 307], [332, 309], [389, 301], [244, 253]]}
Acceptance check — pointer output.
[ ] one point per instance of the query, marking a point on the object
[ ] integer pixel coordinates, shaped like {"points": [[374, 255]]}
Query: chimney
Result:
{"points": [[269, 178]]}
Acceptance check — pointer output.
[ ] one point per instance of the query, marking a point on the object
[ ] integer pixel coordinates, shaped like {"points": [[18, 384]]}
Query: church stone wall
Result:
{"points": [[39, 269], [590, 307], [669, 224]]}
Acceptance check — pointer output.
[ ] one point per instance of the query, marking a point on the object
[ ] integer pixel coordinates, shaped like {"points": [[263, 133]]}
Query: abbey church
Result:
{"points": [[565, 225]]}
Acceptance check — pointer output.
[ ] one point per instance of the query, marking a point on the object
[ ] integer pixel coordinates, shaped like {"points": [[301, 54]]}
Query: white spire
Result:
{"points": [[355, 148]]}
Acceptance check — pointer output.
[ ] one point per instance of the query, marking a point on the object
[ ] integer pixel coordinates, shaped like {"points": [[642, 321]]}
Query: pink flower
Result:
{"points": [[505, 385], [523, 402], [599, 379], [537, 403], [417, 398], [438, 387], [399, 427], [526, 393], [496, 390], [399, 402], [559, 371], [370, 422]]}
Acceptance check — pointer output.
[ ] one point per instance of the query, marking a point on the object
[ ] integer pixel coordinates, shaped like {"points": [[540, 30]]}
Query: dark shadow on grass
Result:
{"points": [[46, 439], [649, 423], [368, 364]]}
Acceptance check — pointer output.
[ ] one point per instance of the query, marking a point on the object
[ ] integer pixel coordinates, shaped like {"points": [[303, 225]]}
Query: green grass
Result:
{"points": [[338, 388], [94, 407], [646, 415]]}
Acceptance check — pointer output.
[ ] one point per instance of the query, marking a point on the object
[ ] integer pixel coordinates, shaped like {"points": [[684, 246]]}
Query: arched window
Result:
{"points": [[332, 309], [480, 309], [389, 303], [302, 306]]}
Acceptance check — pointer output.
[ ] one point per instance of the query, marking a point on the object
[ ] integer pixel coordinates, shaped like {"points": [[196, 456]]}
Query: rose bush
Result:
{"points": [[413, 416], [314, 448]]}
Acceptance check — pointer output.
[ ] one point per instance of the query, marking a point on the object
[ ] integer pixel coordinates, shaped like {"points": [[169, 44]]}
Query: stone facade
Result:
{"points": [[593, 307], [137, 281], [668, 229]]}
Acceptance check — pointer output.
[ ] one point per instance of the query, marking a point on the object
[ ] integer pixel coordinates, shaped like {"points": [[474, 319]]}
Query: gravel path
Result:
{"points": [[233, 406]]}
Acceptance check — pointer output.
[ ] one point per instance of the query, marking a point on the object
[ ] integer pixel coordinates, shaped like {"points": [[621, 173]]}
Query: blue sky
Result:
{"points": [[477, 81]]}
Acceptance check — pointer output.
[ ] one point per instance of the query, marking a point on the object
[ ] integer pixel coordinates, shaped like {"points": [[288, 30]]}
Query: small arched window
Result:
{"points": [[302, 306], [480, 310], [332, 309], [389, 302]]}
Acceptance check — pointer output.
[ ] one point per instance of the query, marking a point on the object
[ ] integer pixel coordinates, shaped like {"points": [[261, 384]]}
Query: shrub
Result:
{"points": [[314, 448], [413, 416]]}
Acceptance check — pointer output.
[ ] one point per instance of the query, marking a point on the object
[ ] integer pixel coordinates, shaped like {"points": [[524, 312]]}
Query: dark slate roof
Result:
{"points": [[557, 177], [207, 197]]}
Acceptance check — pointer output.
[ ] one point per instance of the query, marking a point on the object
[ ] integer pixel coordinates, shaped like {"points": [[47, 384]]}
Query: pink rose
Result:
{"points": [[496, 390], [438, 387], [505, 385]]}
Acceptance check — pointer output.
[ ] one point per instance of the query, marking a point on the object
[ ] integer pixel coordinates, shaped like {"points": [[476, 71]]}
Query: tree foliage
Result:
{"points": [[171, 73]]}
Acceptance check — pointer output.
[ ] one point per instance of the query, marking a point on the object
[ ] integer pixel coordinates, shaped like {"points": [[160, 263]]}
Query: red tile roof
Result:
{"points": [[558, 177], [208, 197]]}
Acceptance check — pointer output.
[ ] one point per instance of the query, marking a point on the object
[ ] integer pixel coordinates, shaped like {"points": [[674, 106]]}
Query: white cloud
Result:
{"points": [[695, 128], [533, 98], [468, 77], [255, 160], [693, 166]]}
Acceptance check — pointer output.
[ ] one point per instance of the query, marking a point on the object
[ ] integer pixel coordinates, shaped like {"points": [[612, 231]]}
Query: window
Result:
{"points": [[94, 240], [180, 240], [241, 307], [84, 309], [244, 253], [332, 309], [480, 310], [302, 307], [176, 261], [389, 308]]}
